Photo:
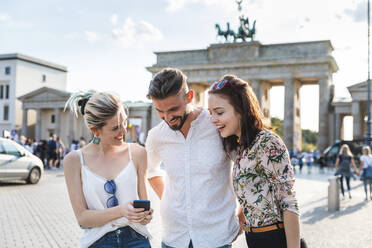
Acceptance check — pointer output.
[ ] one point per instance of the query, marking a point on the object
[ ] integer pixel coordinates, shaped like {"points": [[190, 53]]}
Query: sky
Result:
{"points": [[107, 45]]}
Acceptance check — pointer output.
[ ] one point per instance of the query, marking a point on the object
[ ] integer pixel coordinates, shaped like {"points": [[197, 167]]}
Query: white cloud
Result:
{"points": [[227, 5], [359, 13], [4, 17], [136, 33], [91, 36], [114, 19], [174, 5]]}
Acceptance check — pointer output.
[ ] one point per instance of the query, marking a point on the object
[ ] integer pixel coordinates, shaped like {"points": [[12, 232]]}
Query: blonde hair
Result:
{"points": [[95, 107], [345, 150], [366, 150]]}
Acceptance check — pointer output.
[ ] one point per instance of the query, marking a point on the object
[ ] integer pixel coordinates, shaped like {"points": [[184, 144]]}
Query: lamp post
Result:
{"points": [[368, 134]]}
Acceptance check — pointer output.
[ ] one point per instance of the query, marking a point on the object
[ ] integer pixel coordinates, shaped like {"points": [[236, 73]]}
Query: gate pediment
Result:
{"points": [[358, 91], [45, 97]]}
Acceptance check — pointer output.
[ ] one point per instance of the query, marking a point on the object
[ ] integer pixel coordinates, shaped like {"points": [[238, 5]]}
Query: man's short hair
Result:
{"points": [[167, 82]]}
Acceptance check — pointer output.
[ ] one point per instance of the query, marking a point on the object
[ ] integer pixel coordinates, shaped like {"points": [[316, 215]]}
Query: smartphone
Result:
{"points": [[142, 204]]}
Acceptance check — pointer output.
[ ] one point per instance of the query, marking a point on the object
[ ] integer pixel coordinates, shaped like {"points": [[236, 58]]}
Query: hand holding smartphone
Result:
{"points": [[142, 204]]}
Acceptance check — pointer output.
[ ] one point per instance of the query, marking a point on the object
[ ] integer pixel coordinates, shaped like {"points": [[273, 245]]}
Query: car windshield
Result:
{"points": [[11, 149]]}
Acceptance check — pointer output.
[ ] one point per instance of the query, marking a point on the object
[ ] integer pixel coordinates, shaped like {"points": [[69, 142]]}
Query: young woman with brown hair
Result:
{"points": [[263, 176]]}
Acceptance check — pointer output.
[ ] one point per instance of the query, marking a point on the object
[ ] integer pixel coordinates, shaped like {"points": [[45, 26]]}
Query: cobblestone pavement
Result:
{"points": [[41, 216]]}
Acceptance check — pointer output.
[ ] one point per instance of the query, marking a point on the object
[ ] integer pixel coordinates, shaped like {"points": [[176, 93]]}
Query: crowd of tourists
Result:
{"points": [[51, 151], [344, 166]]}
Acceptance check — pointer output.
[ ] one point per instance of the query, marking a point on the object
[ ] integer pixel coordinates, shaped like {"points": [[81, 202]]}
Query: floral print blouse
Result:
{"points": [[263, 180]]}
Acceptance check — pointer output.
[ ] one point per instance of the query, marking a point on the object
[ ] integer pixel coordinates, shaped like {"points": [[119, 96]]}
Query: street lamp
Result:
{"points": [[368, 134]]}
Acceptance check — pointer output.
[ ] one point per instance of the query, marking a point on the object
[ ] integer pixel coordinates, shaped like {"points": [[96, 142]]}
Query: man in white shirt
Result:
{"points": [[197, 200]]}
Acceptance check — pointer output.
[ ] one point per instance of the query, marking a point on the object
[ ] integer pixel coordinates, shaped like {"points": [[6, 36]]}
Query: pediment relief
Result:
{"points": [[45, 95], [358, 87]]}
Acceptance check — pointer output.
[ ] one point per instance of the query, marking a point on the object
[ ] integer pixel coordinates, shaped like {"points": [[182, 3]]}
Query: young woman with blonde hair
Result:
{"points": [[105, 176], [344, 161]]}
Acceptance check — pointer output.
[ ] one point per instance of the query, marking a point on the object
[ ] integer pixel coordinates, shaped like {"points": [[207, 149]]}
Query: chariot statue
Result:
{"points": [[244, 31]]}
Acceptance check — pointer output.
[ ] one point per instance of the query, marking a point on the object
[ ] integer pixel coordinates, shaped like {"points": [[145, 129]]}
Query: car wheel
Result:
{"points": [[34, 176]]}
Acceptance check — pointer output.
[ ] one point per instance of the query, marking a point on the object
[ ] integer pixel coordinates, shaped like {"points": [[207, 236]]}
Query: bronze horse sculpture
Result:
{"points": [[226, 33], [244, 31]]}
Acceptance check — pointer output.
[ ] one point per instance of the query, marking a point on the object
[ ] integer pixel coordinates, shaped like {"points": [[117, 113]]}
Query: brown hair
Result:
{"points": [[167, 82], [241, 96]]}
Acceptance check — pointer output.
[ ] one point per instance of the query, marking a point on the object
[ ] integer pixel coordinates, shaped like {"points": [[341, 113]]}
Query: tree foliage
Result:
{"points": [[309, 137]]}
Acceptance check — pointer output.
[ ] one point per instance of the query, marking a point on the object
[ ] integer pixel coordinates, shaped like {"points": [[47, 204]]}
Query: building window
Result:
{"points": [[1, 91], [44, 78], [53, 119], [6, 113], [7, 91], [7, 70]]}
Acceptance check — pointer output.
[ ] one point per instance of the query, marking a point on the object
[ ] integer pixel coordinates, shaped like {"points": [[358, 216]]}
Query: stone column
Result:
{"points": [[324, 108], [71, 133], [199, 96], [262, 91], [38, 125], [24, 121], [357, 120], [342, 127], [57, 124], [338, 123], [292, 135]]}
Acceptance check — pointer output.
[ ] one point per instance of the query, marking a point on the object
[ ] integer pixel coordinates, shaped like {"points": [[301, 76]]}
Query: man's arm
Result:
{"points": [[154, 174], [157, 185]]}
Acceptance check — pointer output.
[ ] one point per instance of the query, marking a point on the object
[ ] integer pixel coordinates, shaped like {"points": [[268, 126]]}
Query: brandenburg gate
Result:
{"points": [[290, 65]]}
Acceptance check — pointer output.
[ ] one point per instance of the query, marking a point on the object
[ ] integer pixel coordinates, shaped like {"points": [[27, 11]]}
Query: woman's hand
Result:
{"points": [[135, 215], [147, 219]]}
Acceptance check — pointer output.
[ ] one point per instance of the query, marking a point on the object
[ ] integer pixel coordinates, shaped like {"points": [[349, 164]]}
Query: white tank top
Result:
{"points": [[96, 198]]}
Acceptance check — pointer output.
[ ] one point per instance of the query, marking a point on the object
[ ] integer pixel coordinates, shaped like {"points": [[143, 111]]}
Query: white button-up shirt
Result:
{"points": [[198, 202]]}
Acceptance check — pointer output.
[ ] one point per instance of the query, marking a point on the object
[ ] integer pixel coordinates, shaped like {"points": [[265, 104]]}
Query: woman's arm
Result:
{"points": [[337, 162], [361, 165], [276, 159], [140, 160], [85, 217], [292, 229], [355, 168]]}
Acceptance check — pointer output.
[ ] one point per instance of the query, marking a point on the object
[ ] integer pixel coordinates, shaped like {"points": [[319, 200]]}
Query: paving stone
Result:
{"points": [[41, 215]]}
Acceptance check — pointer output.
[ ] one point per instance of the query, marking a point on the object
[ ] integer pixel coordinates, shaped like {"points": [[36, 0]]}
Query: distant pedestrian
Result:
{"points": [[60, 152], [34, 146], [52, 151], [322, 164], [309, 161], [294, 163], [343, 164], [82, 142], [301, 161], [74, 145], [28, 145], [366, 164], [41, 151]]}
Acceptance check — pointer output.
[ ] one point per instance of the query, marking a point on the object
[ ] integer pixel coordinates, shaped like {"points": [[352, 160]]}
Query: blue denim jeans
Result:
{"points": [[190, 246], [122, 237]]}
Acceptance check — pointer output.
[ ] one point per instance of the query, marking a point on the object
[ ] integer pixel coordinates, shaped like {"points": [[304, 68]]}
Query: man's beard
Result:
{"points": [[179, 126]]}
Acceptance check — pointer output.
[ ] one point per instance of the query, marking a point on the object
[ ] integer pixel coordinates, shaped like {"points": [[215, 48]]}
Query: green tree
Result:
{"points": [[277, 124], [309, 138]]}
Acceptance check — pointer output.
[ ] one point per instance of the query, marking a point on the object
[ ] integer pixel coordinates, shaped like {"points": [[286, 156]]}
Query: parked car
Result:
{"points": [[16, 163], [331, 152]]}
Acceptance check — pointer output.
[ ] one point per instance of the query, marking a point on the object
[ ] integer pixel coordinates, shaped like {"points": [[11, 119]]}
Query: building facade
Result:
{"points": [[21, 74], [264, 66]]}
